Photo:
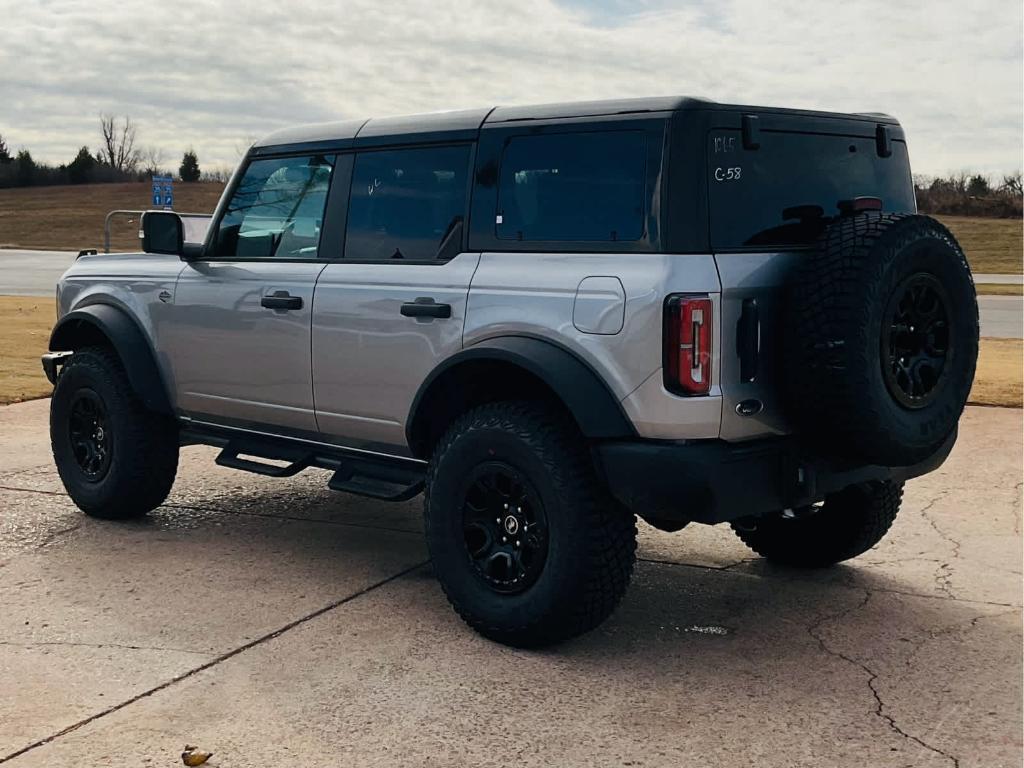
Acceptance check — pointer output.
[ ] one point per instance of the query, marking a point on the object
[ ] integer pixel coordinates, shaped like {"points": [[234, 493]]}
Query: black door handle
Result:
{"points": [[426, 307], [281, 300]]}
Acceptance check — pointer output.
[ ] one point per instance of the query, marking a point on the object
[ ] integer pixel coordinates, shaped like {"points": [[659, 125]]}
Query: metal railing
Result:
{"points": [[124, 212]]}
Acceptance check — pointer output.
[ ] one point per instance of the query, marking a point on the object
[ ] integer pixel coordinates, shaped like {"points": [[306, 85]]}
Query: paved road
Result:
{"points": [[34, 273], [279, 624], [1002, 316], [993, 278]]}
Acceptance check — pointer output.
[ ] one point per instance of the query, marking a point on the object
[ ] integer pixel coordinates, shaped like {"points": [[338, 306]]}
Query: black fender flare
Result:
{"points": [[128, 341], [596, 410]]}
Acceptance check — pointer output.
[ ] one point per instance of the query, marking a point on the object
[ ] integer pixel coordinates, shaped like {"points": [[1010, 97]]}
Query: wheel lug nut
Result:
{"points": [[504, 539], [517, 543]]}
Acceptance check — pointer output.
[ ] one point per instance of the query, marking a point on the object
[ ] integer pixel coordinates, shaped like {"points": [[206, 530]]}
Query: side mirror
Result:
{"points": [[162, 232]]}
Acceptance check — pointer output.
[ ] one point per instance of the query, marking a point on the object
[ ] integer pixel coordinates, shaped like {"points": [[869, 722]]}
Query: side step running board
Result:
{"points": [[377, 479], [232, 454], [383, 477]]}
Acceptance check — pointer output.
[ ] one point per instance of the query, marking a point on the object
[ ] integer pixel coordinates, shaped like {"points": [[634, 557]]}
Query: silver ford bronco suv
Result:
{"points": [[550, 320]]}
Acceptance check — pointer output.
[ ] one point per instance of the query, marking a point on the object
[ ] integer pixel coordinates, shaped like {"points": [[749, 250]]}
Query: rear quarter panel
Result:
{"points": [[533, 294]]}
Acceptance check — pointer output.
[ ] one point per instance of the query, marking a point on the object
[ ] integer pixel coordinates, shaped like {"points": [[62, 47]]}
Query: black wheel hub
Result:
{"points": [[916, 341], [89, 433], [504, 527]]}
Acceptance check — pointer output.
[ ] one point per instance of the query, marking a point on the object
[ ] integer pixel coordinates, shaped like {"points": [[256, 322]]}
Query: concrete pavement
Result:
{"points": [[278, 623]]}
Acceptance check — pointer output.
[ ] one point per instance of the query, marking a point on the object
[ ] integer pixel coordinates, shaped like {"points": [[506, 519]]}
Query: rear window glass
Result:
{"points": [[783, 193], [573, 186]]}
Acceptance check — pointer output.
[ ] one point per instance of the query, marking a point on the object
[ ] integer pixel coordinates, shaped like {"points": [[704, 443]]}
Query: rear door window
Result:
{"points": [[783, 193], [573, 186], [408, 204]]}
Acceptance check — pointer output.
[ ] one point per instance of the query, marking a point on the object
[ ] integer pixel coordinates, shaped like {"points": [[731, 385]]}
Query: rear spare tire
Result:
{"points": [[882, 338]]}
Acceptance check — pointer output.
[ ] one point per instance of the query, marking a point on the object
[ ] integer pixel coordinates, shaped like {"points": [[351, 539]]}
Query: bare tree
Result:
{"points": [[152, 159], [118, 149], [1012, 184]]}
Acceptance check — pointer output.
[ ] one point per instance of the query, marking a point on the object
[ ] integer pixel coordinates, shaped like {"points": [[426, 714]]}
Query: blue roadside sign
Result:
{"points": [[163, 191]]}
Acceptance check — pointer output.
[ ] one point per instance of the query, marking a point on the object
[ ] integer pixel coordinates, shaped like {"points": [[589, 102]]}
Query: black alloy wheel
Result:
{"points": [[916, 342], [504, 527], [90, 435]]}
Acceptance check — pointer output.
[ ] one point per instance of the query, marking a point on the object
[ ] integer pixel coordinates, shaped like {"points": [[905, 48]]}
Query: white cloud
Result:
{"points": [[209, 74]]}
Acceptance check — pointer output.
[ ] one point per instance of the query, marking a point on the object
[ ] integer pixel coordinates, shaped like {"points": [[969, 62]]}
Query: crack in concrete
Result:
{"points": [[880, 707], [57, 534], [840, 584], [944, 573], [216, 508], [1018, 502], [120, 646], [213, 662]]}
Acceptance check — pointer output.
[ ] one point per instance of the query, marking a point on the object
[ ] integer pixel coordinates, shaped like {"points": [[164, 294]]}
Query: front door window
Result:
{"points": [[277, 210]]}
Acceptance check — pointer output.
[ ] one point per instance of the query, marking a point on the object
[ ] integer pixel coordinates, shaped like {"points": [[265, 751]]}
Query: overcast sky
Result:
{"points": [[214, 74]]}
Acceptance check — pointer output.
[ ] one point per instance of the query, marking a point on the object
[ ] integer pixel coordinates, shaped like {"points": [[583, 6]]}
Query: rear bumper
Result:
{"points": [[712, 481]]}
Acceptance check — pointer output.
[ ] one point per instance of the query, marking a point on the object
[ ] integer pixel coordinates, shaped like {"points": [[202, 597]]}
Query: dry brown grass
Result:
{"points": [[25, 325], [1000, 377], [991, 245], [992, 289], [71, 217]]}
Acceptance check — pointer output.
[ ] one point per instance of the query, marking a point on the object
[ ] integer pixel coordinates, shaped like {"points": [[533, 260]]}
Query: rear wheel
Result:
{"points": [[846, 524], [116, 459], [528, 547]]}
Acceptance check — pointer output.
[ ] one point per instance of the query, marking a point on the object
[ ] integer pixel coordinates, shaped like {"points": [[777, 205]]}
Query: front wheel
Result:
{"points": [[526, 544], [116, 459], [846, 524]]}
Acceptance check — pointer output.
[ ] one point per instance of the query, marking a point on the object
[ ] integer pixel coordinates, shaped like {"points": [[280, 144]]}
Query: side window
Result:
{"points": [[277, 209], [407, 204], [573, 186]]}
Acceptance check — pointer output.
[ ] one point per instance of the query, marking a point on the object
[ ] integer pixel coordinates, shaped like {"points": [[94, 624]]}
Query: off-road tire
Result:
{"points": [[591, 540], [846, 525], [143, 445], [840, 303]]}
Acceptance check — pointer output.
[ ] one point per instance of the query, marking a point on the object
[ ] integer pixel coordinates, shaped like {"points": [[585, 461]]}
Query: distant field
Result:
{"points": [[991, 245], [71, 218]]}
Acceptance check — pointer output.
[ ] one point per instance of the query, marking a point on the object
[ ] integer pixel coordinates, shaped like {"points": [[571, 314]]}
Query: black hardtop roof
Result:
{"points": [[464, 124]]}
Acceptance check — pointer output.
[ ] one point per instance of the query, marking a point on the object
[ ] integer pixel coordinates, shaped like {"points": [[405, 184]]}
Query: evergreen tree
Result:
{"points": [[25, 169], [80, 169], [5, 154], [189, 169]]}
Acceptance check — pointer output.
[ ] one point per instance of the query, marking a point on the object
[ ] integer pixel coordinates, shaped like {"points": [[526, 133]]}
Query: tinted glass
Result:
{"points": [[277, 209], [573, 186], [786, 191], [407, 204]]}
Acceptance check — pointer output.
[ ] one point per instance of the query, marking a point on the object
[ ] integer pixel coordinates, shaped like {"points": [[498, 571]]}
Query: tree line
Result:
{"points": [[967, 194], [117, 159]]}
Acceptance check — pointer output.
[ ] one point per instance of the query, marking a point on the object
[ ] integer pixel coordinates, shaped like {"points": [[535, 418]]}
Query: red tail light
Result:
{"points": [[688, 345]]}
